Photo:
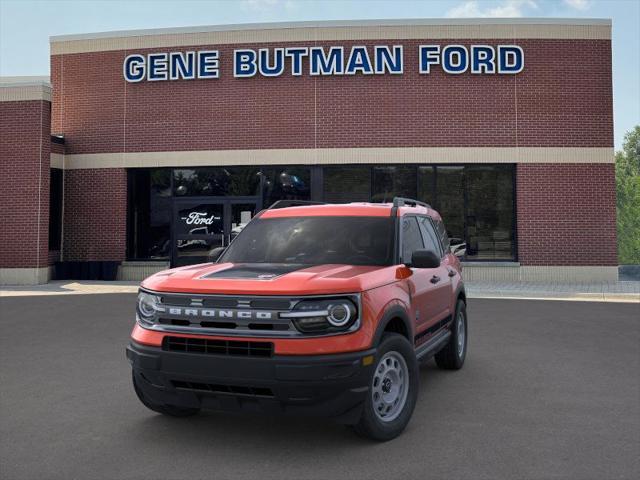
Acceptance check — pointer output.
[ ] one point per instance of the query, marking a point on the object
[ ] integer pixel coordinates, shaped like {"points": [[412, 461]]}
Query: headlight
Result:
{"points": [[323, 315], [147, 305]]}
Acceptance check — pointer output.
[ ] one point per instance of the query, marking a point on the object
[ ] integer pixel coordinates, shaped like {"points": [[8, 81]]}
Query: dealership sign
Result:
{"points": [[326, 61]]}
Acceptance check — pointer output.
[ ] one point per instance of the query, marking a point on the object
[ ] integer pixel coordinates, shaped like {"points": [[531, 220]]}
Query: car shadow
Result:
{"points": [[254, 432]]}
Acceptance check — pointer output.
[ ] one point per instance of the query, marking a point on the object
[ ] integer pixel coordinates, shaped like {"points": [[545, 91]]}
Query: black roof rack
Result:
{"points": [[293, 203], [409, 202]]}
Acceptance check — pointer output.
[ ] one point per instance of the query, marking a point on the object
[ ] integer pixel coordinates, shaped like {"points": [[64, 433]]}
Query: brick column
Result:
{"points": [[25, 119]]}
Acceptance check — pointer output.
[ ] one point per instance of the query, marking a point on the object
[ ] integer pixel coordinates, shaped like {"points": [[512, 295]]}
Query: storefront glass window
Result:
{"points": [[450, 201], [489, 216], [149, 214], [426, 184], [393, 181], [285, 183], [476, 201], [216, 181], [347, 184], [55, 209]]}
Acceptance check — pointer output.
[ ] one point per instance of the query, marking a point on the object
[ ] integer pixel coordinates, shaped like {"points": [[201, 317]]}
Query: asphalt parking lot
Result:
{"points": [[550, 389]]}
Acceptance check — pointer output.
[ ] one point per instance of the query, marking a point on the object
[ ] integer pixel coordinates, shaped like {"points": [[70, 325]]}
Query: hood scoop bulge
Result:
{"points": [[256, 271]]}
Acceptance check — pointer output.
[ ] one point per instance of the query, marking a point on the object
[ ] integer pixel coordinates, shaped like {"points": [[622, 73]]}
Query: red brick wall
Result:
{"points": [[562, 98], [24, 176], [95, 206], [566, 214]]}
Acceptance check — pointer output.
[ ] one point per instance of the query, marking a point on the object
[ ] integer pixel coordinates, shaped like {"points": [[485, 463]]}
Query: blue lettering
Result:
{"points": [[133, 68], [359, 61], [244, 63], [510, 59], [483, 59], [385, 61], [277, 68], [182, 65], [429, 55], [157, 67], [331, 64], [208, 64], [455, 59], [296, 55]]}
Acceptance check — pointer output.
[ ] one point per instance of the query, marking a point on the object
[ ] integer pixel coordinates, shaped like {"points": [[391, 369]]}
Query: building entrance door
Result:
{"points": [[201, 224]]}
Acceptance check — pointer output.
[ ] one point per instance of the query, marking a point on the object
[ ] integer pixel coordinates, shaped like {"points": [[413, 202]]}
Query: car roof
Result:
{"points": [[356, 209]]}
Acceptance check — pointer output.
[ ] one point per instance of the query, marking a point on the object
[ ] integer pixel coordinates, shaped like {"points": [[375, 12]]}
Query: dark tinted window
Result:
{"points": [[347, 184], [285, 183], [426, 184], [451, 201], [149, 214], [431, 241], [489, 215], [411, 238], [393, 181], [55, 208], [315, 241], [216, 181]]}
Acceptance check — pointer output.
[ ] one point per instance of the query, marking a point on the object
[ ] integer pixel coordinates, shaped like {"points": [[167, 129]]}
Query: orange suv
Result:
{"points": [[312, 309]]}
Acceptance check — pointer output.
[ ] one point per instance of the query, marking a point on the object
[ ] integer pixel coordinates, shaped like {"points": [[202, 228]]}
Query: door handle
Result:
{"points": [[435, 279]]}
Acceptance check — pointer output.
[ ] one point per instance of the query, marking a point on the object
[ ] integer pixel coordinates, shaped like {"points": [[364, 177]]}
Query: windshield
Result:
{"points": [[314, 241]]}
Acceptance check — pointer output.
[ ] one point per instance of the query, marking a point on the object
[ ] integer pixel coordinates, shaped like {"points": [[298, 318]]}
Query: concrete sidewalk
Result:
{"points": [[595, 292]]}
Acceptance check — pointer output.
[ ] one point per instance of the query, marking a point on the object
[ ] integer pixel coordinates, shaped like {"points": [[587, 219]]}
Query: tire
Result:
{"points": [[395, 354], [452, 356], [170, 410]]}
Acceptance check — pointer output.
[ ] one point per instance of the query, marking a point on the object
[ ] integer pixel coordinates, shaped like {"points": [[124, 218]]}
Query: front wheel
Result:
{"points": [[452, 356], [393, 390]]}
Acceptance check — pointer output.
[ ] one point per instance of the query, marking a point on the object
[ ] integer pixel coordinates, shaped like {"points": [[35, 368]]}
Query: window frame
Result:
{"points": [[401, 233], [436, 237]]}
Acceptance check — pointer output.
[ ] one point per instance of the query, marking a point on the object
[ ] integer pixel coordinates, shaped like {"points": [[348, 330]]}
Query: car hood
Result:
{"points": [[270, 279]]}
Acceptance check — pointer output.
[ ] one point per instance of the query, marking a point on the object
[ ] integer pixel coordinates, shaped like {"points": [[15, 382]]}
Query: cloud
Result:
{"points": [[578, 4], [504, 9], [267, 5]]}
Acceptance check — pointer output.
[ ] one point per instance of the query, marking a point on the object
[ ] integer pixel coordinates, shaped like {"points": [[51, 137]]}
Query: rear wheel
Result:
{"points": [[452, 356], [171, 410], [393, 390]]}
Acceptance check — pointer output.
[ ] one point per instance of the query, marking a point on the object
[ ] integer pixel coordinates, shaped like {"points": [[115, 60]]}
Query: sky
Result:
{"points": [[25, 26]]}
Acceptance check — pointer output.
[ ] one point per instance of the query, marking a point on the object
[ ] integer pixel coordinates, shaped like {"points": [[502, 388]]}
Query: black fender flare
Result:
{"points": [[460, 293], [393, 311]]}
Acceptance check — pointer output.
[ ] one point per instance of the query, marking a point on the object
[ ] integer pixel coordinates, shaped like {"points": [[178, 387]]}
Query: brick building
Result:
{"points": [[149, 148]]}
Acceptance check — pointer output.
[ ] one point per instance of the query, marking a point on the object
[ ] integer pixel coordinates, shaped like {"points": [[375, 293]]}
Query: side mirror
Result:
{"points": [[424, 259], [215, 253]]}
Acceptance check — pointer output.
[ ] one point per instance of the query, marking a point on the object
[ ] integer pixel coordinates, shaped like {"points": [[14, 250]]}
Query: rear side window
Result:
{"points": [[411, 238], [431, 240]]}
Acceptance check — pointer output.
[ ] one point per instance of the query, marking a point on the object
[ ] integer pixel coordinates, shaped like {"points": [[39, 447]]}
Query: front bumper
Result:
{"points": [[319, 385]]}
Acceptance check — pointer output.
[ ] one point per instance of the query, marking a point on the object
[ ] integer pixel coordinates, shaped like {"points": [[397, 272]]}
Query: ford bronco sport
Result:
{"points": [[315, 309]]}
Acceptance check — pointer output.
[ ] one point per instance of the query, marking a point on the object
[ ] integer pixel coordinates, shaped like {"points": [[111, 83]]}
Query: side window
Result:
{"points": [[431, 241], [411, 238], [444, 238]]}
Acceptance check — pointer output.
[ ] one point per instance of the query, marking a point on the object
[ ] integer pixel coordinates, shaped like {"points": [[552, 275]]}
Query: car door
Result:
{"points": [[418, 283], [439, 297]]}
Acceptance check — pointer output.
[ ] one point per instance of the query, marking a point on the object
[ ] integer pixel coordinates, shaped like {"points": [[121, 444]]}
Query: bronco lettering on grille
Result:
{"points": [[215, 313]]}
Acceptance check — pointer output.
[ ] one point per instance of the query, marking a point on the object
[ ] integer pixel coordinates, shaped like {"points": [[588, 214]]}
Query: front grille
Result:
{"points": [[230, 389], [249, 316], [217, 347]]}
